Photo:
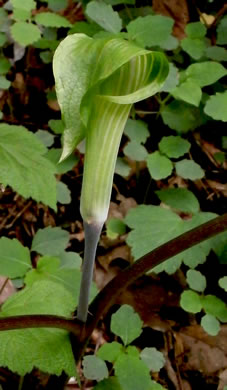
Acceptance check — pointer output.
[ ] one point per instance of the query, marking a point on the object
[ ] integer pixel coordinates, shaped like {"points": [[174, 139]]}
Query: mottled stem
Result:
{"points": [[92, 234]]}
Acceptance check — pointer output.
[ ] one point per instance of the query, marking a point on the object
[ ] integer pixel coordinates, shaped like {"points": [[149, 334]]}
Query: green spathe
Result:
{"points": [[97, 81]]}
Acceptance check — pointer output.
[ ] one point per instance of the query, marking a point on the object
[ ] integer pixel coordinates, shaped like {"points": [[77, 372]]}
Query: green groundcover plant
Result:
{"points": [[104, 66]]}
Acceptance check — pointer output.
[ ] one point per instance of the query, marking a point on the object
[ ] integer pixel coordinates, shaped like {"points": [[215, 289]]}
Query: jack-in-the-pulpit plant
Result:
{"points": [[97, 81]]}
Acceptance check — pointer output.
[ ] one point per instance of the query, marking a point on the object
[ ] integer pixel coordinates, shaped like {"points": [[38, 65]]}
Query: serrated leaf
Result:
{"points": [[159, 166], [196, 280], [179, 199], [50, 241], [3, 39], [28, 171], [195, 30], [194, 47], [57, 5], [210, 324], [189, 169], [115, 227], [153, 359], [89, 29], [215, 306], [56, 125], [111, 384], [25, 33], [63, 193], [223, 283], [216, 53], [110, 351], [174, 146], [136, 130], [181, 117], [50, 19], [70, 162], [191, 302], [26, 5], [216, 106], [4, 65], [189, 91], [48, 350], [122, 168], [132, 373], [126, 324], [135, 151], [94, 368], [70, 260], [46, 138], [14, 258], [172, 79], [4, 83], [222, 32], [104, 16], [150, 30], [206, 73]]}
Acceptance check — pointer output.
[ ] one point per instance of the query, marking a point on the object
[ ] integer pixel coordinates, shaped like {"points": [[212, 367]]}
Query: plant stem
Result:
{"points": [[92, 234], [40, 321], [108, 295]]}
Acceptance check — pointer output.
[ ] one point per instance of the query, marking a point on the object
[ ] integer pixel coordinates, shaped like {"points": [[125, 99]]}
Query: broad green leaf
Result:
{"points": [[132, 373], [215, 306], [196, 280], [56, 125], [222, 32], [104, 15], [216, 53], [132, 351], [151, 30], [223, 283], [64, 166], [216, 106], [14, 258], [70, 260], [194, 47], [111, 384], [50, 19], [126, 324], [46, 138], [28, 171], [50, 241], [101, 104], [3, 39], [174, 146], [25, 33], [153, 225], [210, 324], [46, 56], [94, 368], [110, 351], [153, 359], [115, 227], [195, 30], [179, 199], [135, 151], [206, 73], [63, 193], [89, 29], [26, 5], [122, 168], [189, 91], [189, 169], [159, 166], [172, 79], [117, 2], [46, 349], [181, 117], [57, 5], [4, 65], [191, 302], [136, 130], [4, 83]]}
